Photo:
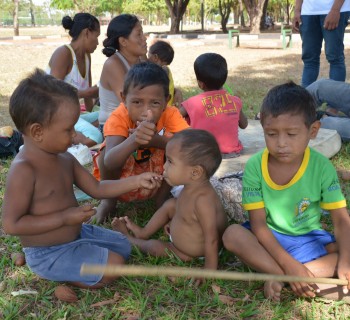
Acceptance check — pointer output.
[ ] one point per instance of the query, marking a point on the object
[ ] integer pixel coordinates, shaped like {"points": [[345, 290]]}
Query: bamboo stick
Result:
{"points": [[135, 270]]}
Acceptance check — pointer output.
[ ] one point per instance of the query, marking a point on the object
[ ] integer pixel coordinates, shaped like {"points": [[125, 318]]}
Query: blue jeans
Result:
{"points": [[312, 35], [337, 95]]}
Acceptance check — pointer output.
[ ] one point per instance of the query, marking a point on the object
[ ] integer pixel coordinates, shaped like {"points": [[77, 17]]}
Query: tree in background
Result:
{"points": [[225, 10], [176, 8], [255, 11], [95, 7], [152, 11], [15, 17], [281, 10]]}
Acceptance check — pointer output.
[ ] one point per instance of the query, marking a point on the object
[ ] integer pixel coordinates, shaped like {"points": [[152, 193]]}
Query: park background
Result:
{"points": [[257, 65]]}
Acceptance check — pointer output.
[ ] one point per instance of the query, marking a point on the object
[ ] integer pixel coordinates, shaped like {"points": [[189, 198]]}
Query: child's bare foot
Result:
{"points": [[344, 174], [118, 224], [106, 208], [134, 228], [332, 292], [272, 290]]}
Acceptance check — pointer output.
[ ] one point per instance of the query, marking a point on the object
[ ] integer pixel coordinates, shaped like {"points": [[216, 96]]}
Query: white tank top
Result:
{"points": [[74, 77], [108, 99]]}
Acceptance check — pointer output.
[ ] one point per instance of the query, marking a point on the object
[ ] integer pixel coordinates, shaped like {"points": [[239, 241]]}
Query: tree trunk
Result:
{"points": [[262, 21], [32, 13], [242, 13], [15, 18], [176, 8], [225, 10], [288, 13], [255, 9]]}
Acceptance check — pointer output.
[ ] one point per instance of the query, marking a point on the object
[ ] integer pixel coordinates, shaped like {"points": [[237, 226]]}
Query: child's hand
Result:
{"points": [[146, 130], [344, 273], [149, 180], [78, 215], [301, 288]]}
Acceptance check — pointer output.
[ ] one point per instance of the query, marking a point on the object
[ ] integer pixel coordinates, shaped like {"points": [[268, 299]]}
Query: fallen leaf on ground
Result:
{"points": [[226, 299], [102, 303], [66, 294], [216, 288]]}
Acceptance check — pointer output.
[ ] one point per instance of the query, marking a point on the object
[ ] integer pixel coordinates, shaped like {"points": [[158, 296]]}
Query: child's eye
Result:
{"points": [[270, 134], [292, 134]]}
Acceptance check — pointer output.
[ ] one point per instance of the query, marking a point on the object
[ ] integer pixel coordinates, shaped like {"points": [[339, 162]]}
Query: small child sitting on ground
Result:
{"points": [[196, 218], [215, 110], [285, 188], [46, 215], [162, 53], [132, 145]]}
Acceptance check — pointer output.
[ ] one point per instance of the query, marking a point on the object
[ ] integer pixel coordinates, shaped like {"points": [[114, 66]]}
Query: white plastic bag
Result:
{"points": [[81, 153]]}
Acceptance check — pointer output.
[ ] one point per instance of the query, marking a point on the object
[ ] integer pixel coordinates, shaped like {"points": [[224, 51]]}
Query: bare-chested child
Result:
{"points": [[39, 204], [285, 188], [196, 218]]}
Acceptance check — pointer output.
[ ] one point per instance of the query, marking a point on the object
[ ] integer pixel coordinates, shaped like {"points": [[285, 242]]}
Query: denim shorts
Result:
{"points": [[63, 262], [303, 248]]}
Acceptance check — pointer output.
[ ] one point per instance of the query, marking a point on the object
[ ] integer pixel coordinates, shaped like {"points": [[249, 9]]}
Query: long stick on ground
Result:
{"points": [[137, 271]]}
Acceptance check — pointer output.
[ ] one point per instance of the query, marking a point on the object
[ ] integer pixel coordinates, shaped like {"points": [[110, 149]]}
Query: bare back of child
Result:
{"points": [[195, 220]]}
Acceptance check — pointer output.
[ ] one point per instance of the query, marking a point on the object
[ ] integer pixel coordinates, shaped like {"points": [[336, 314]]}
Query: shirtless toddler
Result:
{"points": [[196, 218]]}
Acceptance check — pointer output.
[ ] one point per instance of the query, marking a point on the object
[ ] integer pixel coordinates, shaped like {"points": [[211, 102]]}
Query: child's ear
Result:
{"points": [[201, 85], [122, 96], [197, 172], [168, 99], [314, 129], [36, 132]]}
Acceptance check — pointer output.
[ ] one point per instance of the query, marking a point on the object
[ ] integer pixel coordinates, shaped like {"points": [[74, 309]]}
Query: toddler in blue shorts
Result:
{"points": [[286, 187], [47, 217]]}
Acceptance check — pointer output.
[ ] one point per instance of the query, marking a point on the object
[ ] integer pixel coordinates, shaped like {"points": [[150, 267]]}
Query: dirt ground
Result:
{"points": [[252, 70]]}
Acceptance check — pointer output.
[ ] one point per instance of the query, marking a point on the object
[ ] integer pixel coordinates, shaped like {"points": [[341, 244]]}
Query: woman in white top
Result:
{"points": [[124, 45], [72, 64]]}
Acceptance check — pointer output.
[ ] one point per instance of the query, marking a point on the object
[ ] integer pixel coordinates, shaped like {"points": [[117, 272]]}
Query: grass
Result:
{"points": [[149, 297], [162, 298]]}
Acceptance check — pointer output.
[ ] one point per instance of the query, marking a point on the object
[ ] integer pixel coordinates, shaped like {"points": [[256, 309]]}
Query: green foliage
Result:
{"points": [[95, 7]]}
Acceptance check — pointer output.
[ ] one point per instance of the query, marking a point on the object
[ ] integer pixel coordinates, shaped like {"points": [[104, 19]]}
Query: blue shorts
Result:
{"points": [[303, 248], [63, 262]]}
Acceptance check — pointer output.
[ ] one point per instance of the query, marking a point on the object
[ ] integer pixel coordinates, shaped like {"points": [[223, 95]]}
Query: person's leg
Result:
{"points": [[113, 259], [89, 131], [152, 247], [311, 35], [161, 217], [340, 124], [243, 243], [335, 93], [106, 207], [325, 267], [334, 48], [162, 194]]}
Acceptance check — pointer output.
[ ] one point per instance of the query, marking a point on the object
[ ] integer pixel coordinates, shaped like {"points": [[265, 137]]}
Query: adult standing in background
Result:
{"points": [[319, 20], [124, 45], [72, 64]]}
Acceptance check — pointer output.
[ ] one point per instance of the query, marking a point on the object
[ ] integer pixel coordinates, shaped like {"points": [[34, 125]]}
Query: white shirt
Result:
{"points": [[316, 7]]}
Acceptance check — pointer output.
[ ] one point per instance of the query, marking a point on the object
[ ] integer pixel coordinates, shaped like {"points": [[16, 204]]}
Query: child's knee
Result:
{"points": [[113, 259], [231, 235]]}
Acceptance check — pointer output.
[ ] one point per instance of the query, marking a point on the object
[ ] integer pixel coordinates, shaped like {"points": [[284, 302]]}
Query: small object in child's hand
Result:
{"points": [[66, 294], [18, 259]]}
